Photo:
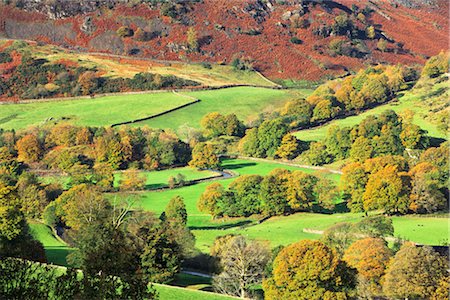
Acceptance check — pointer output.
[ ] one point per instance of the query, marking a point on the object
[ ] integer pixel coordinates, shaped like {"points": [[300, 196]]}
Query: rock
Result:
{"points": [[286, 16], [87, 26]]}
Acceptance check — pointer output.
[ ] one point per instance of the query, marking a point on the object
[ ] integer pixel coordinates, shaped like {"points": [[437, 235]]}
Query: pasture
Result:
{"points": [[55, 249], [167, 292], [105, 111], [100, 111], [157, 201], [245, 102]]}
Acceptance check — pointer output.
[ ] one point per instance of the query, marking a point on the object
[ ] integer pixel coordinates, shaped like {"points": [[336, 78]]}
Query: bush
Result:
{"points": [[296, 40], [124, 31]]}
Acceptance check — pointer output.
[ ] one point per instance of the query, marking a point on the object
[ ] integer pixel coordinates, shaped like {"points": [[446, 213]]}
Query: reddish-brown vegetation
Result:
{"points": [[223, 31]]}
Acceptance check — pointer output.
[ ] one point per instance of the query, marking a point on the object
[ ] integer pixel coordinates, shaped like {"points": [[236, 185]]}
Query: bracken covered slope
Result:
{"points": [[282, 39]]}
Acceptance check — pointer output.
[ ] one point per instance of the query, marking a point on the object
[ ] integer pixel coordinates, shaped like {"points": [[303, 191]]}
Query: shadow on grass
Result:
{"points": [[184, 280], [222, 226], [237, 166], [57, 255], [338, 208]]}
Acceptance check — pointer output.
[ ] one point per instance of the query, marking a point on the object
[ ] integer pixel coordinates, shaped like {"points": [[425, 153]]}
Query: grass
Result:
{"points": [[159, 179], [277, 230], [102, 111], [245, 102], [157, 201], [423, 230], [410, 100], [167, 292], [55, 249]]}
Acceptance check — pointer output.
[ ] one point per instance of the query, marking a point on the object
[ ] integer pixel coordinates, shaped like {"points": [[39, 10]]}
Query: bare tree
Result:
{"points": [[242, 264]]}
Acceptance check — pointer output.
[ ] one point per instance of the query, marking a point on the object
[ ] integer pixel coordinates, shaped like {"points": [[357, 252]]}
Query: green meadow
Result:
{"points": [[55, 249], [245, 102], [167, 292], [101, 111], [107, 110]]}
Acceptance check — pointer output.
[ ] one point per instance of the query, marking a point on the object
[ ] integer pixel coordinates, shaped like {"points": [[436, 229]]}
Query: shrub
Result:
{"points": [[296, 40], [124, 31]]}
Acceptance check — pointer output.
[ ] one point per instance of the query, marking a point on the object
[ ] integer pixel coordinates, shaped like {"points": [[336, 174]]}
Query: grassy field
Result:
{"points": [[101, 111], [104, 111], [423, 230], [159, 179], [157, 201], [245, 102], [410, 100], [55, 249], [167, 292]]}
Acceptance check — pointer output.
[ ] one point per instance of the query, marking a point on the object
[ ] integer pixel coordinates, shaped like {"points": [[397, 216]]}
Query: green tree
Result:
{"points": [[317, 154], [308, 270], [361, 149], [246, 189], [352, 184], [270, 134], [273, 193], [176, 210]]}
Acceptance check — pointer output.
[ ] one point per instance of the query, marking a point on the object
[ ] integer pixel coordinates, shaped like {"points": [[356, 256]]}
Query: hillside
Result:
{"points": [[311, 40]]}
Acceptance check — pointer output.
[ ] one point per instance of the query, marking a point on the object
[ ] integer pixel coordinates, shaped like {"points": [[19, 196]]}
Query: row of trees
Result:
{"points": [[277, 193], [39, 78], [385, 134], [351, 260], [68, 148], [394, 185]]}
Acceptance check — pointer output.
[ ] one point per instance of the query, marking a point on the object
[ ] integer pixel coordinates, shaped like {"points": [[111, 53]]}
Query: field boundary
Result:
{"points": [[97, 96], [157, 115]]}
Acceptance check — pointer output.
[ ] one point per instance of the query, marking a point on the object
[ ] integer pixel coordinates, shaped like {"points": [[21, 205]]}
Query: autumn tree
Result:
{"points": [[216, 124], [29, 149], [242, 264], [414, 272], [317, 154], [300, 190], [81, 205], [413, 137], [210, 198], [132, 180], [297, 113], [352, 184], [204, 157], [288, 148], [426, 197], [436, 65], [370, 257], [361, 149], [382, 45], [370, 32], [388, 190], [308, 270], [192, 40]]}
